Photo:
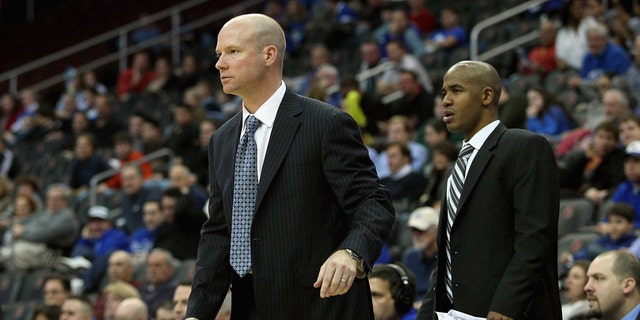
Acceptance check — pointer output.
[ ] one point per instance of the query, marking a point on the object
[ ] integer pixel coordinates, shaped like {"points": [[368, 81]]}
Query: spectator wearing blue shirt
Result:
{"points": [[451, 35], [620, 235], [400, 129], [86, 163], [134, 196], [603, 58], [421, 259], [400, 28], [98, 239], [629, 191], [142, 240], [546, 117]]}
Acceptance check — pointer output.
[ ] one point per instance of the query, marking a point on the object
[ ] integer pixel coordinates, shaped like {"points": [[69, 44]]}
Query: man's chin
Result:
{"points": [[594, 309]]}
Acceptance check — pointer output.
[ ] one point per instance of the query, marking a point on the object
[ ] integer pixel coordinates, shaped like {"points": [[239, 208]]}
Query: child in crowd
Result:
{"points": [[627, 192], [621, 218], [125, 153]]}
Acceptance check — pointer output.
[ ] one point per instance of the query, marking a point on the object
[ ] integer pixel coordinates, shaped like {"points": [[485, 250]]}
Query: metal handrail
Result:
{"points": [[504, 15], [93, 183], [124, 49]]}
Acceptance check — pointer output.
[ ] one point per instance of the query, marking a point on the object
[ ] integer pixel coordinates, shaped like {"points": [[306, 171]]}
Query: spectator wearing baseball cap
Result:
{"points": [[98, 239], [627, 191], [421, 259]]}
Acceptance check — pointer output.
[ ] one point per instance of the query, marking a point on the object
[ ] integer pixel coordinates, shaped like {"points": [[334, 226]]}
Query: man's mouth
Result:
{"points": [[448, 115]]}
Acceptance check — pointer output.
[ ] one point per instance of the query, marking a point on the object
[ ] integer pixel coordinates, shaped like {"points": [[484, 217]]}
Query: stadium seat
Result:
{"points": [[32, 285], [575, 242], [575, 214], [10, 284], [19, 311], [186, 270]]}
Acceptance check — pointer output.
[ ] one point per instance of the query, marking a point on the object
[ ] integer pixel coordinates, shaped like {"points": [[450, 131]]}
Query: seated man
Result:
{"points": [[421, 259], [142, 240], [56, 289], [406, 186], [132, 309], [612, 288], [76, 308], [180, 231], [180, 177], [400, 129], [393, 289], [50, 230], [159, 284], [603, 58], [135, 195], [98, 239]]}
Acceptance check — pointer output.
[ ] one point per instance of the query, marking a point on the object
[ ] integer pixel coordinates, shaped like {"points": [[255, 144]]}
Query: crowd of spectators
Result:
{"points": [[125, 238]]}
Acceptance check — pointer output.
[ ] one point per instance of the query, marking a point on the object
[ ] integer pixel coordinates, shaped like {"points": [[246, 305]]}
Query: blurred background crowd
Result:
{"points": [[103, 177]]}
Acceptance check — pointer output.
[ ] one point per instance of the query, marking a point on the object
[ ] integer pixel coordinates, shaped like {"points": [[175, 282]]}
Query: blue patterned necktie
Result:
{"points": [[453, 197], [245, 189]]}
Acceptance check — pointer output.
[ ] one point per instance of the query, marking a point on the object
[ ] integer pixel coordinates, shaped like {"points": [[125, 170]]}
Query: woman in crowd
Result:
{"points": [[573, 290]]}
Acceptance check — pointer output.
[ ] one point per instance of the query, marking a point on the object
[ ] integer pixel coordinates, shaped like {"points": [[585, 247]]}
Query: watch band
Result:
{"points": [[361, 273]]}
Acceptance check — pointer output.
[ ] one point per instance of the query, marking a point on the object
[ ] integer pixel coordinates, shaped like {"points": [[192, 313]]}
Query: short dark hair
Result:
{"points": [[63, 278], [172, 192], [622, 210], [447, 148], [404, 149], [413, 74], [389, 273], [89, 136], [123, 137], [610, 127], [51, 312]]}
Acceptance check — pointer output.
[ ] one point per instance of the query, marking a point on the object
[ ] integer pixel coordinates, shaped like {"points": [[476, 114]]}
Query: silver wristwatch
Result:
{"points": [[360, 263]]}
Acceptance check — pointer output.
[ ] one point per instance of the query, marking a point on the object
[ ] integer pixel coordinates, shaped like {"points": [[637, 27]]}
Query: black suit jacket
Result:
{"points": [[318, 192], [504, 237]]}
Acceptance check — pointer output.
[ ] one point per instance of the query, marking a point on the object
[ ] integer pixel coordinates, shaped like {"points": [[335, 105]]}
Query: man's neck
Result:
{"points": [[628, 305]]}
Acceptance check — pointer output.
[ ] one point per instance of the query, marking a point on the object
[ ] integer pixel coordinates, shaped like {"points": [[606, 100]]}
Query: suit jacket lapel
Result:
{"points": [[227, 156], [479, 163], [284, 129]]}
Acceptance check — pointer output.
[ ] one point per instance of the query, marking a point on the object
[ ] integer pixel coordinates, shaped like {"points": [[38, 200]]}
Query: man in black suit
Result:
{"points": [[320, 215], [498, 250]]}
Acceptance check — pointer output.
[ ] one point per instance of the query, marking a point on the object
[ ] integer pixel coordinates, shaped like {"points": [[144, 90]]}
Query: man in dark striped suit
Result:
{"points": [[320, 215]]}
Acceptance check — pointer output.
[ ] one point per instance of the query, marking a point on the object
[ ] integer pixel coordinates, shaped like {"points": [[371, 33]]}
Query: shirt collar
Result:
{"points": [[633, 314], [402, 172], [479, 138], [267, 111]]}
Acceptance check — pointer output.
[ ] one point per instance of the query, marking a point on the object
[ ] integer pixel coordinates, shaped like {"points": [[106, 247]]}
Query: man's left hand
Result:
{"points": [[496, 316], [336, 274]]}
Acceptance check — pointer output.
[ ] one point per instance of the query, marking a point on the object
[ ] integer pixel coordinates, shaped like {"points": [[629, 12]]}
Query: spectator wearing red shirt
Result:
{"points": [[542, 59], [421, 17], [125, 153], [135, 79]]}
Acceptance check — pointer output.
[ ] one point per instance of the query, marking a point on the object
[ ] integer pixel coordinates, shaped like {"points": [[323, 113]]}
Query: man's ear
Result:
{"points": [[270, 54], [628, 285], [488, 95]]}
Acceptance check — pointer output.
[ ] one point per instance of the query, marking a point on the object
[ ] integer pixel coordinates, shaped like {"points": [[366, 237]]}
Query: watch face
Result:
{"points": [[354, 255]]}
